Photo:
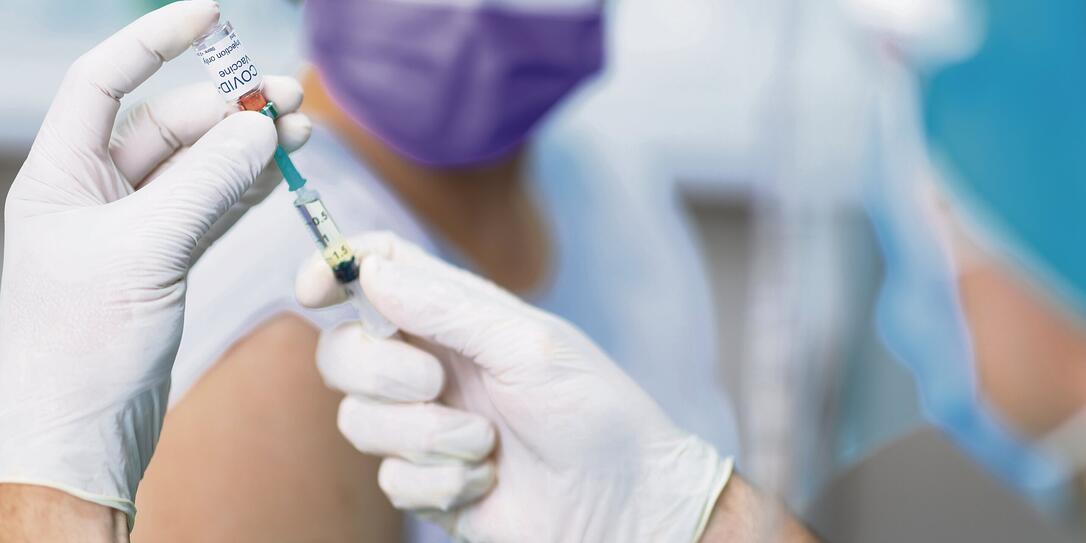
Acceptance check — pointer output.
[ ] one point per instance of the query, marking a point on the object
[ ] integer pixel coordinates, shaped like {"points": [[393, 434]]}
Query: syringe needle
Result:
{"points": [[294, 179]]}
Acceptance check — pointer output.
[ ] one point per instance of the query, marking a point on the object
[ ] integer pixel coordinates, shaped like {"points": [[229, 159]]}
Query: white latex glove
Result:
{"points": [[583, 454], [101, 227]]}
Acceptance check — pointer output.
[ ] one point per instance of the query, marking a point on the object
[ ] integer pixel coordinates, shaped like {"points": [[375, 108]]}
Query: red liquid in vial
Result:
{"points": [[254, 101]]}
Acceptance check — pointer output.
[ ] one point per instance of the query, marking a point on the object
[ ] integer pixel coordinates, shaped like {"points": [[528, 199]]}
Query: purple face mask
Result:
{"points": [[446, 84]]}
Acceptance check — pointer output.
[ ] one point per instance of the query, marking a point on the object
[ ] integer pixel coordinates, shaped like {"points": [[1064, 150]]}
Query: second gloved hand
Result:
{"points": [[101, 226], [581, 452]]}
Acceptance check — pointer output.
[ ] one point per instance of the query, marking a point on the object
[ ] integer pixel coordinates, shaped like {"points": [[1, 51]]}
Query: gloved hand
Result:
{"points": [[101, 227], [582, 453]]}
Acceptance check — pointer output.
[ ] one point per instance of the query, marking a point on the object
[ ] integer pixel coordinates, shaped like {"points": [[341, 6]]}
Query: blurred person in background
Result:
{"points": [[426, 114], [981, 299], [984, 298]]}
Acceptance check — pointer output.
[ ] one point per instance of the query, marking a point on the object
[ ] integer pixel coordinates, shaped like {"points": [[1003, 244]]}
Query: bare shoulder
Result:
{"points": [[252, 453]]}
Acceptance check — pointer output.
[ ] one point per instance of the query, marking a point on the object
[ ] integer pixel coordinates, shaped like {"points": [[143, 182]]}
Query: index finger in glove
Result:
{"points": [[85, 107], [154, 130], [184, 202]]}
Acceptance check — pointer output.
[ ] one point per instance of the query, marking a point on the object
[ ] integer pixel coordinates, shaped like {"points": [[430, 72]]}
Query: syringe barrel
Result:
{"points": [[236, 75], [334, 248], [339, 256]]}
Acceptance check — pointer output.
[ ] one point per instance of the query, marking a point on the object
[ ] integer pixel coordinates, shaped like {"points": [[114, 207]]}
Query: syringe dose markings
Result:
{"points": [[335, 248]]}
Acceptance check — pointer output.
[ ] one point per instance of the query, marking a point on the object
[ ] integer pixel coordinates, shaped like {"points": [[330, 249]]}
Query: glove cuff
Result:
{"points": [[679, 489], [723, 475], [99, 457]]}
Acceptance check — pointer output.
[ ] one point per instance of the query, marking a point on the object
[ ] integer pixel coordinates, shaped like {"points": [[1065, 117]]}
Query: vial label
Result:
{"points": [[230, 67]]}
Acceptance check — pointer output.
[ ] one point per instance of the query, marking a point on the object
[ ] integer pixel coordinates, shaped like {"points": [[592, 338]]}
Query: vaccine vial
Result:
{"points": [[228, 63]]}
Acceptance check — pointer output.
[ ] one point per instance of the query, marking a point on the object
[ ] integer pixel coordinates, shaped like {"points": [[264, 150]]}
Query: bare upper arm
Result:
{"points": [[252, 453]]}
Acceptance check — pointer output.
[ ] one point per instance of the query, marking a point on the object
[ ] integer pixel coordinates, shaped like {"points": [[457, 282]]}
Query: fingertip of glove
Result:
{"points": [[479, 479], [294, 130], [202, 13], [345, 415], [285, 91], [315, 286], [210, 5], [434, 379], [481, 437], [491, 437], [487, 472]]}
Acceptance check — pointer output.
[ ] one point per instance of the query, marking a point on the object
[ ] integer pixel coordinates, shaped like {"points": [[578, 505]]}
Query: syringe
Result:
{"points": [[240, 82]]}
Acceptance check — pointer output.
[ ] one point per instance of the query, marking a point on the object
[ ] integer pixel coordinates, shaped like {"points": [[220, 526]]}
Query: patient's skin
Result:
{"points": [[252, 453], [1031, 356], [1029, 350]]}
